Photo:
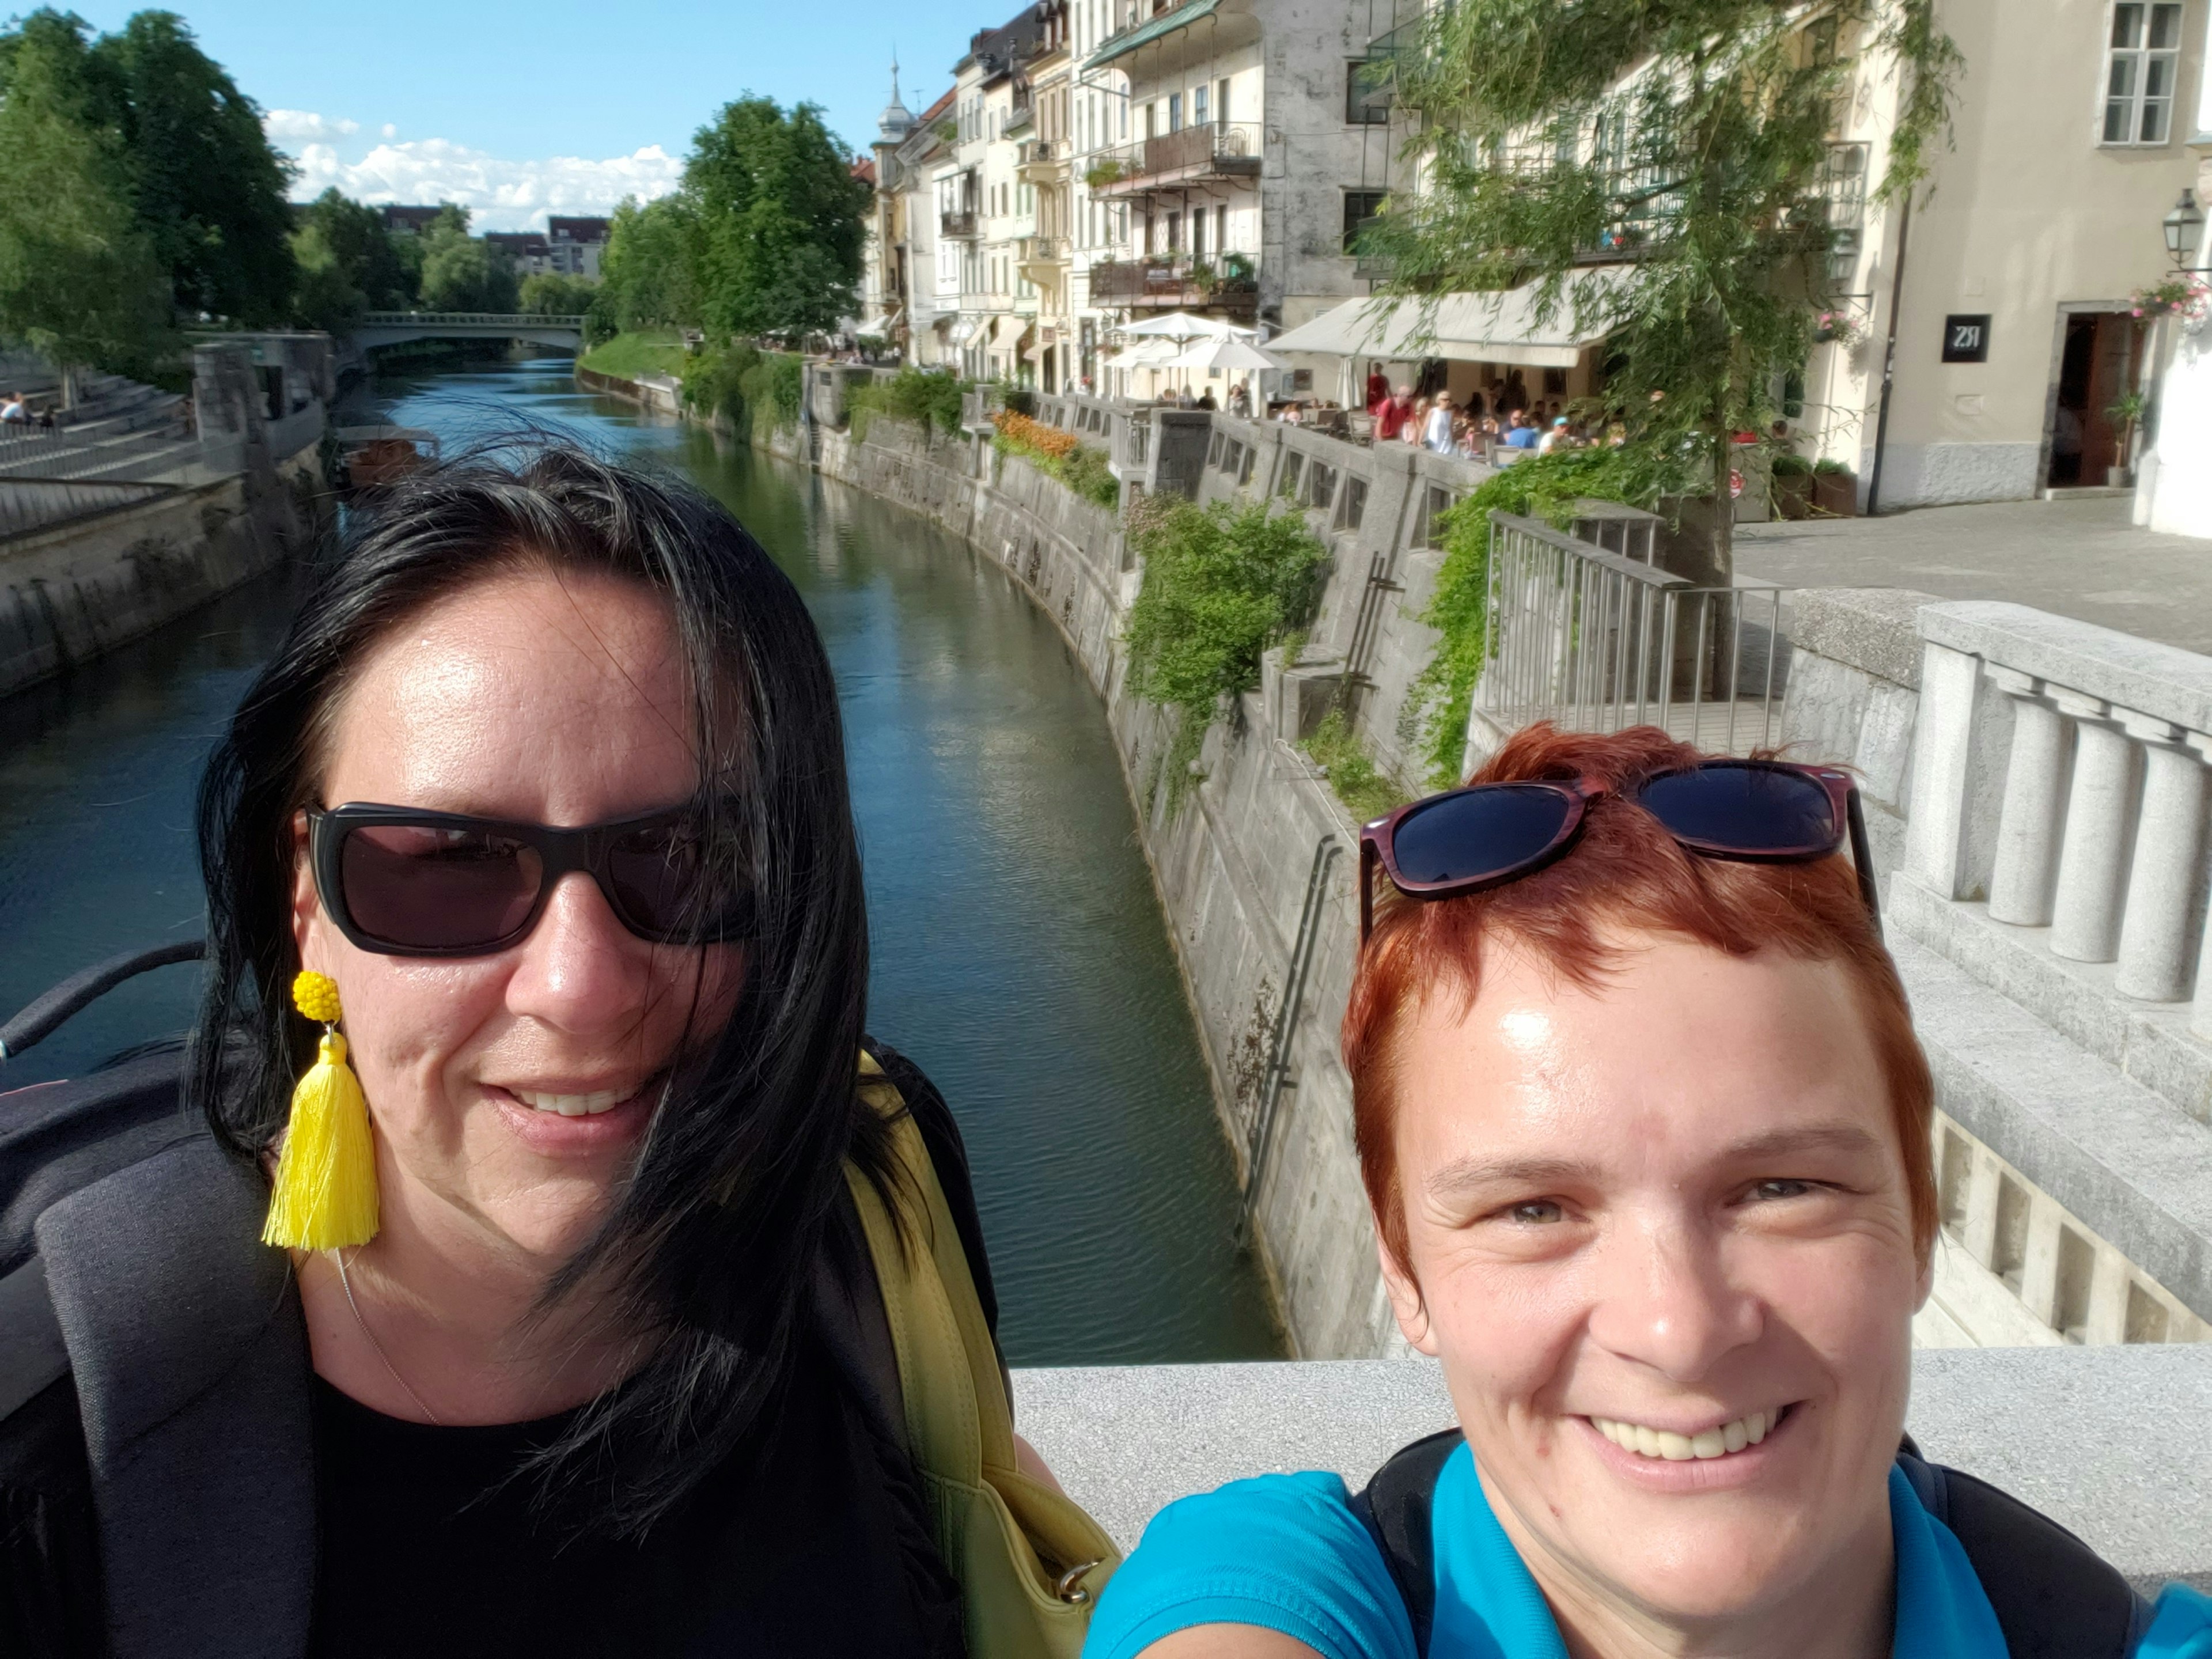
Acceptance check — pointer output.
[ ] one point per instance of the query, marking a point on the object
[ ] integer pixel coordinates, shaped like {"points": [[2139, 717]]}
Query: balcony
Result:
{"points": [[959, 226], [1043, 160], [1176, 282], [1041, 257], [1218, 149]]}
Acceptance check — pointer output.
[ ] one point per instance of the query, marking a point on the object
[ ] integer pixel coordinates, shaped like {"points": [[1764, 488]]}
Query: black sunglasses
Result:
{"points": [[399, 881], [1752, 812]]}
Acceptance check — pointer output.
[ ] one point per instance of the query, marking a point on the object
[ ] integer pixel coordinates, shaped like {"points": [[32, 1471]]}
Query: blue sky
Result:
{"points": [[518, 110]]}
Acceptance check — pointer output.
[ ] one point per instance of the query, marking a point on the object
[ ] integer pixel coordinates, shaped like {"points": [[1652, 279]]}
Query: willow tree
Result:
{"points": [[1661, 170]]}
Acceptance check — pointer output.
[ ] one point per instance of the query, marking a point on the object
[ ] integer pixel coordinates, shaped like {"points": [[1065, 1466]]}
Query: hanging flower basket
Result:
{"points": [[2188, 298], [1837, 328]]}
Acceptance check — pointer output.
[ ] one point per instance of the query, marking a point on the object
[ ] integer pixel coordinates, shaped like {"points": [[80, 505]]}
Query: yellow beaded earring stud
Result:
{"points": [[325, 1191]]}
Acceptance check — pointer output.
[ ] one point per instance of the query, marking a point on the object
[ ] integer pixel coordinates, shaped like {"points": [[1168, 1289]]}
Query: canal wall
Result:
{"points": [[1253, 865], [101, 552]]}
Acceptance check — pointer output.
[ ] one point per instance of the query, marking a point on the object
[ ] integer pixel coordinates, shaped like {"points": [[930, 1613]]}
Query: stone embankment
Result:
{"points": [[106, 536], [2073, 1142]]}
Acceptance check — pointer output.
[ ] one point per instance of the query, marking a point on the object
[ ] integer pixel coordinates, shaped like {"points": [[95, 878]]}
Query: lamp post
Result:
{"points": [[2185, 230]]}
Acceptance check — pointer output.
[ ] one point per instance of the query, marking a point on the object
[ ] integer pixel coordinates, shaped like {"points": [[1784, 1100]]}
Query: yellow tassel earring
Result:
{"points": [[326, 1194]]}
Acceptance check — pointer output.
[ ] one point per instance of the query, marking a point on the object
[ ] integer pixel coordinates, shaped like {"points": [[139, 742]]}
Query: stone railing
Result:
{"points": [[2106, 1441], [2099, 831]]}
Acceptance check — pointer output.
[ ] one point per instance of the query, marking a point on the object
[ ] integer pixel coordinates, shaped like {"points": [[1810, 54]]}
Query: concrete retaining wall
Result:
{"points": [[76, 590]]}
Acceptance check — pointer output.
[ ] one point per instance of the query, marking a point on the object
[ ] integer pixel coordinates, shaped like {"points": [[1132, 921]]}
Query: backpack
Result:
{"points": [[2054, 1597], [129, 1255]]}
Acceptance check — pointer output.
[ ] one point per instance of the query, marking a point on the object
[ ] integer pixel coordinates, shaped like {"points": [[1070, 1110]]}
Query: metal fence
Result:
{"points": [[1595, 642]]}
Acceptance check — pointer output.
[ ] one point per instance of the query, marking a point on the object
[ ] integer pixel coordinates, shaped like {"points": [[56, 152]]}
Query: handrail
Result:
{"points": [[474, 319]]}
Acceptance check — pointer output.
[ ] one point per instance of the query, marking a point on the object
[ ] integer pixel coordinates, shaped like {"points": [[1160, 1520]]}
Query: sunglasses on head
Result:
{"points": [[1752, 812], [399, 881]]}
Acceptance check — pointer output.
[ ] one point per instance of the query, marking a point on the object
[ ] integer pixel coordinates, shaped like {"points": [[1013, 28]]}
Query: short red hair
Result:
{"points": [[1624, 873]]}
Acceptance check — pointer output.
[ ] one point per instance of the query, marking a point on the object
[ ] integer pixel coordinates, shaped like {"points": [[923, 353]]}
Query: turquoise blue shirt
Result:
{"points": [[1286, 1552]]}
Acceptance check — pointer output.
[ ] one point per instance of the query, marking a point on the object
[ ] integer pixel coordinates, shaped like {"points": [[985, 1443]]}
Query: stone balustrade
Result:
{"points": [[2100, 834]]}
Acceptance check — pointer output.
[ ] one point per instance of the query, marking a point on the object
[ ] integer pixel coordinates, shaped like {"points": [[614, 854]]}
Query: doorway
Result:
{"points": [[2097, 366]]}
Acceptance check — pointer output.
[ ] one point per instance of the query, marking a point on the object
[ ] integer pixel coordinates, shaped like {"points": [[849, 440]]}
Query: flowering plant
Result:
{"points": [[1839, 326], [1021, 433], [2189, 298]]}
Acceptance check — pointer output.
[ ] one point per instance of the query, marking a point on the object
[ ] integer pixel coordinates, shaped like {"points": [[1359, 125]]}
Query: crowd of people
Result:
{"points": [[1503, 416]]}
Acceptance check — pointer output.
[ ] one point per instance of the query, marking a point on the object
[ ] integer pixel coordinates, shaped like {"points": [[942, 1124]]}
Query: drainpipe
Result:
{"points": [[1888, 361]]}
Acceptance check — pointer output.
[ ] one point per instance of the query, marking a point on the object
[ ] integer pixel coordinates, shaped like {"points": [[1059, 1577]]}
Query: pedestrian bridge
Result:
{"points": [[383, 328]]}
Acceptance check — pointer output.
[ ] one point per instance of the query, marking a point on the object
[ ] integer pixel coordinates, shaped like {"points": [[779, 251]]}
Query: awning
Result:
{"points": [[964, 329], [1498, 328], [1168, 23]]}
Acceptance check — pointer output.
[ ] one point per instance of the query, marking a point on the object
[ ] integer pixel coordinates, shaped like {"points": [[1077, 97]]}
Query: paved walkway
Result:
{"points": [[2079, 559]]}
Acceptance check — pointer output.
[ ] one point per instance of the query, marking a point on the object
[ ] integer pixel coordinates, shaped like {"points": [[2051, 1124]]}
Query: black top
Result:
{"points": [[816, 1540]]}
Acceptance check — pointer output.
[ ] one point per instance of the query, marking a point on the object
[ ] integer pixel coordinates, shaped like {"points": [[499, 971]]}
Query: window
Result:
{"points": [[1320, 486], [1213, 451], [1428, 527], [1174, 112], [1198, 232], [1221, 100], [1221, 228], [1359, 207], [2140, 72], [1353, 507], [1367, 92], [1198, 105]]}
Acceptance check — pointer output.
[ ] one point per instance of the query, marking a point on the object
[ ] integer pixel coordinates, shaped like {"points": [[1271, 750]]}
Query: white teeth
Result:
{"points": [[1666, 1445], [573, 1105]]}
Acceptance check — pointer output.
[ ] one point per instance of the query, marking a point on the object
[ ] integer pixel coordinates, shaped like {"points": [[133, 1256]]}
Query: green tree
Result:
{"points": [[208, 186], [461, 272], [550, 293], [781, 217], [79, 281], [348, 262], [1660, 169], [649, 273]]}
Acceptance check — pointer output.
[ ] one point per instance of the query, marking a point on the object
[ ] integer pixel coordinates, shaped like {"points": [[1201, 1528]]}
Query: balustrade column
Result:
{"points": [[2024, 879], [2085, 921], [2163, 901]]}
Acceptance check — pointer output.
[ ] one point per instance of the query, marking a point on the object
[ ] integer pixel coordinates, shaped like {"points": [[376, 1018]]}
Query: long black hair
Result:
{"points": [[711, 1240]]}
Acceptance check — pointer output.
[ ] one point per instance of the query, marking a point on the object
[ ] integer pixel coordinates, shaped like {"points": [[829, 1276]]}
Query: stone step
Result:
{"points": [[2120, 1156]]}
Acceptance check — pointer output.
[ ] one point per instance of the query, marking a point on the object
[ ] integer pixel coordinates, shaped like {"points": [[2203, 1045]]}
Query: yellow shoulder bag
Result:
{"points": [[1031, 1562]]}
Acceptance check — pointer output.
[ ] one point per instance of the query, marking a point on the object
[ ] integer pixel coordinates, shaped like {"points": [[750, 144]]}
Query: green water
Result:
{"points": [[1020, 955]]}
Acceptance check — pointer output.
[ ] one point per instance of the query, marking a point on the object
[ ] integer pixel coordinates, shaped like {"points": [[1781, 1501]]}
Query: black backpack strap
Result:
{"points": [[1394, 1506], [185, 1336], [2054, 1596]]}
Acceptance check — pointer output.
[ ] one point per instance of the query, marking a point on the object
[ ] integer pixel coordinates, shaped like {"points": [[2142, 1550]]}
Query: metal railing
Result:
{"points": [[1043, 250], [1211, 149], [466, 319], [1177, 279], [957, 224], [1594, 642]]}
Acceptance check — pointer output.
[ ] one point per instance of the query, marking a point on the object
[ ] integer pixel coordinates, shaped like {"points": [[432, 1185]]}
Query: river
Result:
{"points": [[1019, 952]]}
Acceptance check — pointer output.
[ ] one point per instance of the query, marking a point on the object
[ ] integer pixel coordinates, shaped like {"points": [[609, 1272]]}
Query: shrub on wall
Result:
{"points": [[1220, 585], [1058, 454], [926, 397], [1541, 487]]}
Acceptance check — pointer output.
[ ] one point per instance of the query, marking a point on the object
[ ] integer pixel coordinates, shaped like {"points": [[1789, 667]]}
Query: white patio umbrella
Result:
{"points": [[1226, 354], [1183, 325]]}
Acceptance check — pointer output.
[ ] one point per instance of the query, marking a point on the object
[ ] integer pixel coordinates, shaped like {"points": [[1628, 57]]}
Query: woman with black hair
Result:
{"points": [[537, 972]]}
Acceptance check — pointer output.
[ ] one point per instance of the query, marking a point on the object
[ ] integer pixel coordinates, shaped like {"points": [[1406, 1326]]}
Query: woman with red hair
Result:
{"points": [[1644, 1128]]}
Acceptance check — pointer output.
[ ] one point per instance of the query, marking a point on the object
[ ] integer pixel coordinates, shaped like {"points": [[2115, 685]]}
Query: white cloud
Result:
{"points": [[390, 129], [300, 126], [502, 195]]}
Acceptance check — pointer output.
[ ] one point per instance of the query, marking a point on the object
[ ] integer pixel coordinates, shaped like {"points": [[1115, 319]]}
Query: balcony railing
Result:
{"points": [[1176, 280], [1043, 250], [1216, 149], [1043, 160], [959, 224]]}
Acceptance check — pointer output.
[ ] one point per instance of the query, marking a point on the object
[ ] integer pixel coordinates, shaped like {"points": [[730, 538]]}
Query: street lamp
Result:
{"points": [[2184, 226]]}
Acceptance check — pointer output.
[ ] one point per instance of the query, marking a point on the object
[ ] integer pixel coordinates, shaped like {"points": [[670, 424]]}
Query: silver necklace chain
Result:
{"points": [[421, 1404]]}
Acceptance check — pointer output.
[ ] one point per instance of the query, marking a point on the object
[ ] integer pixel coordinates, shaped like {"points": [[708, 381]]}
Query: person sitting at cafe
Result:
{"points": [[1555, 436], [1206, 400], [1378, 390], [1240, 399], [1522, 433], [1416, 423], [1644, 1130]]}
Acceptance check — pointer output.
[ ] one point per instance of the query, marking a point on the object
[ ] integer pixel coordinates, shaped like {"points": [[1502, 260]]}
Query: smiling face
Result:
{"points": [[1661, 1237], [510, 1091]]}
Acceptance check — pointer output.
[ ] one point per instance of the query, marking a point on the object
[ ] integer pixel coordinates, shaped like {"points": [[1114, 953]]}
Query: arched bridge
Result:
{"points": [[383, 328]]}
